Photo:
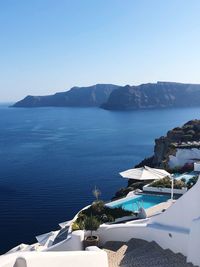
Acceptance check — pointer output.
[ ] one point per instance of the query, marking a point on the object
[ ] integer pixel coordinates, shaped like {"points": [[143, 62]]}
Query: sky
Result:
{"points": [[48, 46]]}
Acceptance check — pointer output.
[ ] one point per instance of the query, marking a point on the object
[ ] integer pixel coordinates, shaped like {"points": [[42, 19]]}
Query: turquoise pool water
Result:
{"points": [[145, 201]]}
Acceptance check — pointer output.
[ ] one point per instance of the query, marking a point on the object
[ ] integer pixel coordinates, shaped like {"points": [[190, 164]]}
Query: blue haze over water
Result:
{"points": [[51, 159]]}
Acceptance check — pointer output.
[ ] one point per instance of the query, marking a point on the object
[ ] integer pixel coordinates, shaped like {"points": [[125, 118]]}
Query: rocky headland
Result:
{"points": [[179, 138]]}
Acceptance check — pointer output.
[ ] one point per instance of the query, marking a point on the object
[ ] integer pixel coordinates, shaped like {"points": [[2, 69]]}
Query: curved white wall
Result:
{"points": [[183, 211], [74, 242]]}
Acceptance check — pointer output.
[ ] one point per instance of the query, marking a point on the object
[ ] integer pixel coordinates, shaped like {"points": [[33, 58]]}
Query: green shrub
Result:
{"points": [[91, 224], [75, 226], [192, 181], [98, 207], [101, 213], [125, 190], [118, 212], [167, 183]]}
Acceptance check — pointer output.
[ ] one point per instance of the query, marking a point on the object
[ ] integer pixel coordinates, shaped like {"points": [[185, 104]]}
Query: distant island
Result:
{"points": [[91, 96], [114, 97]]}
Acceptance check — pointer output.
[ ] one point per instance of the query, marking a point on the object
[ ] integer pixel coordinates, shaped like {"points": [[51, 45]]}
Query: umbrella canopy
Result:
{"points": [[144, 173]]}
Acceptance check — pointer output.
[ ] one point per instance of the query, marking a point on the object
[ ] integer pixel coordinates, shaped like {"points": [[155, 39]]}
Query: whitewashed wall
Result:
{"points": [[184, 156], [194, 243], [55, 259], [148, 188], [74, 242], [183, 211]]}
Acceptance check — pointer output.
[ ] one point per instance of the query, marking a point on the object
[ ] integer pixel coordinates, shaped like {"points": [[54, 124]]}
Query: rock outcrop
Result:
{"points": [[154, 95], [182, 138], [90, 96]]}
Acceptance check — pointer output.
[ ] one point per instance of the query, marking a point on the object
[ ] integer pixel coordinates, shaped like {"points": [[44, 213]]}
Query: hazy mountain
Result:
{"points": [[154, 95], [113, 97], [90, 96]]}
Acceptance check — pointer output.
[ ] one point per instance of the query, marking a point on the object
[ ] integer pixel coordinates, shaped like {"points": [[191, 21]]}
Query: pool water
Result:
{"points": [[144, 201]]}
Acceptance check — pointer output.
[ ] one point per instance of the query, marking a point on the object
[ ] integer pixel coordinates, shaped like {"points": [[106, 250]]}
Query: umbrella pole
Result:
{"points": [[172, 187]]}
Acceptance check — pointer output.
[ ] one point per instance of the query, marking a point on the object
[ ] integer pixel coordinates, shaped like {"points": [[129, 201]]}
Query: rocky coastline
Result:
{"points": [[186, 137]]}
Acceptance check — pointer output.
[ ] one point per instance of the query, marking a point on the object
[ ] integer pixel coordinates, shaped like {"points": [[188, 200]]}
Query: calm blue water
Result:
{"points": [[145, 201], [51, 159]]}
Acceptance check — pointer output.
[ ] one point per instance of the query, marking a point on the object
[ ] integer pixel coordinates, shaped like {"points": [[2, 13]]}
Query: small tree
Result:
{"points": [[96, 193], [91, 224]]}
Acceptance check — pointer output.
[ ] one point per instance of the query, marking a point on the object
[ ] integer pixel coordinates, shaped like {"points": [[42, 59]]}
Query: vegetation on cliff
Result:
{"points": [[101, 212]]}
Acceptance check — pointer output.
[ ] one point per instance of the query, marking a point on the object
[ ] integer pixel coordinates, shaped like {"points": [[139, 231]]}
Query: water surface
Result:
{"points": [[51, 159]]}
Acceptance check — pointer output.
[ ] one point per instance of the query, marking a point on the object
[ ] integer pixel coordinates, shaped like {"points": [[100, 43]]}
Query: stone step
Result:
{"points": [[152, 259], [140, 253], [113, 245]]}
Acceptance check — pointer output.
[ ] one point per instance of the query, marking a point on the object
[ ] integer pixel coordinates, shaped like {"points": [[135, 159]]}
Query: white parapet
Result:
{"points": [[148, 188], [74, 242], [55, 259]]}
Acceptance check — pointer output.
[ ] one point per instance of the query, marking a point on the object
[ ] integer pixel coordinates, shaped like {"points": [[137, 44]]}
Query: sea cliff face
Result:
{"points": [[90, 96], [113, 97], [178, 149], [154, 95]]}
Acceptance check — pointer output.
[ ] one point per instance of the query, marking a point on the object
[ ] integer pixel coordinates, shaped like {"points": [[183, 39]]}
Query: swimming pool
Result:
{"points": [[144, 201]]}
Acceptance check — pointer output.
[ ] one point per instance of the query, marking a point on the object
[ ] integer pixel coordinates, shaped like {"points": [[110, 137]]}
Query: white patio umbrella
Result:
{"points": [[147, 173], [144, 173]]}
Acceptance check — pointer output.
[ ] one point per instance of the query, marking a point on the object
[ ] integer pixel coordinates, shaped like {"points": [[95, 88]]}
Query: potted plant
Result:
{"points": [[91, 224]]}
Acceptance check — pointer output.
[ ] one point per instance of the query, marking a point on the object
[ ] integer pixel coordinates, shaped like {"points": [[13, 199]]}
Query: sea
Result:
{"points": [[52, 158]]}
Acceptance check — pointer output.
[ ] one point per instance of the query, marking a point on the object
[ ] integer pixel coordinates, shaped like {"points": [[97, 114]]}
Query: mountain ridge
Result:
{"points": [[89, 96], [154, 95], [114, 97]]}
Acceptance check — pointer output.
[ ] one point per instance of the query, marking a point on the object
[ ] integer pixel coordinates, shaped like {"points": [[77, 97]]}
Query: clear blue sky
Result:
{"points": [[52, 45]]}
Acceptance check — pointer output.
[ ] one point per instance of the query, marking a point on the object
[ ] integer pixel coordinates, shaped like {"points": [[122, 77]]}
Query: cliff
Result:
{"points": [[90, 96], [178, 149], [154, 95], [113, 97]]}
